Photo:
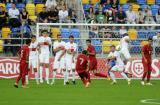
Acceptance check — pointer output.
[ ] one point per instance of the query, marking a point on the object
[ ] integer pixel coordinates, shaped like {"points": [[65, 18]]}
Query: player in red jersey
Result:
{"points": [[147, 61], [93, 60], [24, 57], [82, 66]]}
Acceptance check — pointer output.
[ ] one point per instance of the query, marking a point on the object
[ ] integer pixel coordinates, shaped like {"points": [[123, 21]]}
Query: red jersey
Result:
{"points": [[147, 50], [91, 49], [81, 64], [24, 53]]}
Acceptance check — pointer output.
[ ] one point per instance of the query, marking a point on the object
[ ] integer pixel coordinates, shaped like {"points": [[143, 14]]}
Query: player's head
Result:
{"points": [[28, 41], [59, 37], [71, 38], [150, 40], [33, 38], [84, 52], [44, 33], [118, 47], [88, 42], [126, 38], [112, 48]]}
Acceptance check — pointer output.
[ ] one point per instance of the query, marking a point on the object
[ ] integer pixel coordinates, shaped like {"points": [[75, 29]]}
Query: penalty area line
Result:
{"points": [[151, 101]]}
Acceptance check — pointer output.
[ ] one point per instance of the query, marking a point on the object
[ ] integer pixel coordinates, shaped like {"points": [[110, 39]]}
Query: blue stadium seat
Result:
{"points": [[20, 6], [158, 2], [135, 47], [142, 34], [141, 2], [75, 33], [154, 9], [37, 1], [144, 6], [86, 6], [65, 32], [125, 7], [15, 31], [8, 6], [97, 44], [151, 34]]}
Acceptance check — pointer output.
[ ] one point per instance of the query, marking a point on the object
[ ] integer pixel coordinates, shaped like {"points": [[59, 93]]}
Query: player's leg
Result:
{"points": [[34, 66], [68, 69], [145, 66], [114, 69], [19, 76], [41, 65], [73, 73], [46, 60], [149, 74], [56, 66], [24, 72]]}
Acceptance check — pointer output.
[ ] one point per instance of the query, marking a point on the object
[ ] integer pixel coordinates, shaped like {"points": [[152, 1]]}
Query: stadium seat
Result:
{"points": [[144, 6], [75, 33], [1, 46], [142, 34], [94, 1], [15, 31], [123, 1], [39, 8], [31, 9], [141, 2], [3, 5], [37, 1], [65, 32], [106, 45], [132, 34], [151, 34], [55, 32], [125, 7], [85, 1], [150, 2], [97, 45], [6, 32], [20, 6], [33, 18], [158, 2], [135, 47], [154, 9], [86, 6], [135, 7], [8, 6]]}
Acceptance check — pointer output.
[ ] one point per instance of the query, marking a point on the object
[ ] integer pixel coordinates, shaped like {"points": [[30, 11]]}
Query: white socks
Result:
{"points": [[112, 76], [73, 76], [124, 76], [36, 76], [65, 76], [27, 81], [41, 71], [47, 74], [127, 67], [54, 76]]}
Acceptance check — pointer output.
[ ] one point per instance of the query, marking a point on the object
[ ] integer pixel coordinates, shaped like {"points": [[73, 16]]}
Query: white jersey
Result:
{"points": [[33, 54], [72, 47], [44, 49], [111, 54], [119, 60], [124, 45], [56, 45]]}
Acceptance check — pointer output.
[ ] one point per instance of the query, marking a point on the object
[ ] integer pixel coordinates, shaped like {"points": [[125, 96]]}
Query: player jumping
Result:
{"points": [[44, 41], [24, 57]]}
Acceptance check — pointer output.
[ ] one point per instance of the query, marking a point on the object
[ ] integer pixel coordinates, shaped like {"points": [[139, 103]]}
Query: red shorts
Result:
{"points": [[23, 67], [93, 64], [147, 66]]}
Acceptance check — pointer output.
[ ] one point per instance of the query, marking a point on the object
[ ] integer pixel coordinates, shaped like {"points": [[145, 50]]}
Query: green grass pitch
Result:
{"points": [[99, 93]]}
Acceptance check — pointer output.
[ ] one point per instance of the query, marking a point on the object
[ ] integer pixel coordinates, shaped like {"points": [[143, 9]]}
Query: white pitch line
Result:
{"points": [[150, 101]]}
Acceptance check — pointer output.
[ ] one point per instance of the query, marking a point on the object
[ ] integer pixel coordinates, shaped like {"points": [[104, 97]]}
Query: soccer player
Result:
{"points": [[44, 42], [147, 61], [92, 59], [24, 57], [71, 50], [59, 60], [119, 67], [111, 60], [33, 57], [124, 46], [82, 67]]}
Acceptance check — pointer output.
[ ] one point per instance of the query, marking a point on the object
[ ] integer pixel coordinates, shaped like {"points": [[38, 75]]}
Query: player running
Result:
{"points": [[24, 57], [33, 57], [59, 60], [71, 50], [44, 43], [119, 67], [92, 59], [82, 67], [147, 61]]}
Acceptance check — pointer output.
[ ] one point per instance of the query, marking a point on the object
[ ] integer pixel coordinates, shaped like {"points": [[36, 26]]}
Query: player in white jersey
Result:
{"points": [[71, 49], [33, 57], [119, 67], [59, 59], [124, 49], [44, 41]]}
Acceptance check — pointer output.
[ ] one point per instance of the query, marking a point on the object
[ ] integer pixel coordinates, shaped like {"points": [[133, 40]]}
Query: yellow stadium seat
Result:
{"points": [[39, 8], [3, 5], [85, 1], [144, 43], [150, 2], [1, 46], [30, 9], [132, 34], [33, 18], [135, 7], [107, 44], [6, 32], [123, 1], [55, 32], [94, 1]]}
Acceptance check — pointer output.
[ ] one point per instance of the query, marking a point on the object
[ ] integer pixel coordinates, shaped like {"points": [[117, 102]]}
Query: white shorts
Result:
{"points": [[125, 55], [44, 58], [117, 68], [33, 63], [59, 64], [70, 65]]}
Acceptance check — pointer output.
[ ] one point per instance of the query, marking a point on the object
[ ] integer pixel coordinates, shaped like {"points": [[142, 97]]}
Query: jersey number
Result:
{"points": [[82, 60]]}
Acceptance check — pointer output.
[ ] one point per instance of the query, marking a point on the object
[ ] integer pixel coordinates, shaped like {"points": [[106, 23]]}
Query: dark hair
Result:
{"points": [[113, 46], [150, 39], [88, 40], [28, 41], [33, 36], [140, 9], [43, 31], [84, 52], [58, 34], [71, 36]]}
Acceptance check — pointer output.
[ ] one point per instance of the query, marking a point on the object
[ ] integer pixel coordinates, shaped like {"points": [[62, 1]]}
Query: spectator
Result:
{"points": [[156, 44], [43, 16], [106, 6], [90, 15], [122, 31], [114, 5], [73, 17], [109, 17], [121, 16], [158, 16], [3, 17], [148, 18], [140, 17], [63, 15], [102, 1], [24, 16], [14, 16], [131, 16], [53, 15], [25, 30], [50, 3], [100, 17], [115, 32]]}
